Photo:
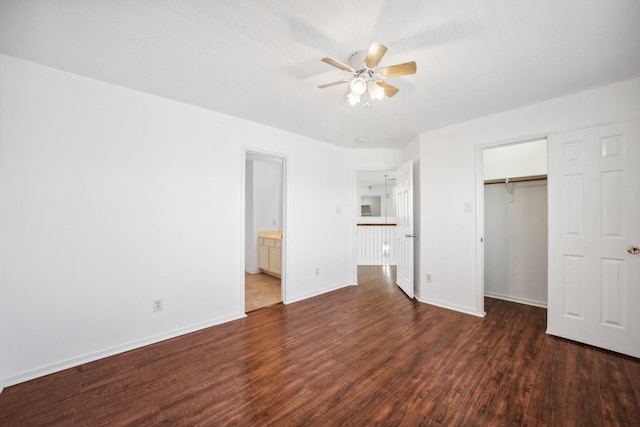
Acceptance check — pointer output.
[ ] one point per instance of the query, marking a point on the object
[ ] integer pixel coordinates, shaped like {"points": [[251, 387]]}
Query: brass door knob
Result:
{"points": [[633, 250]]}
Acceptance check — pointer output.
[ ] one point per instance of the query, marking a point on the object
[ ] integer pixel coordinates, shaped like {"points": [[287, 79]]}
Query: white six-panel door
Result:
{"points": [[404, 228], [594, 224]]}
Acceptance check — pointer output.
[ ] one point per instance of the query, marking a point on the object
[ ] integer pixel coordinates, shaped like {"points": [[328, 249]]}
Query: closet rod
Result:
{"points": [[518, 179]]}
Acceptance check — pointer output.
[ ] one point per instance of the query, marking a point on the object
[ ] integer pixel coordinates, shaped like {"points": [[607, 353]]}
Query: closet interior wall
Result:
{"points": [[516, 241]]}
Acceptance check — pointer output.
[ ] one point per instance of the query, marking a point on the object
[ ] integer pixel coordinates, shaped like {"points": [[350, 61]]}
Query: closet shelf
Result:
{"points": [[517, 179]]}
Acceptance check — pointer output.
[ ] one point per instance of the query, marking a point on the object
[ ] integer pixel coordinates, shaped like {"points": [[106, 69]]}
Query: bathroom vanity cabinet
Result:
{"points": [[270, 252]]}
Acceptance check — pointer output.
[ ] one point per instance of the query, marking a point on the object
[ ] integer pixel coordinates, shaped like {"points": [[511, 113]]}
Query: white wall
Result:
{"points": [[3, 335], [448, 159], [515, 160], [515, 242], [267, 195], [391, 202], [112, 197], [373, 160]]}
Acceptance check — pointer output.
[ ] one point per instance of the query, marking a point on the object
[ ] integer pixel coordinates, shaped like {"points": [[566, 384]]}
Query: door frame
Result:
{"points": [[480, 205], [245, 149]]}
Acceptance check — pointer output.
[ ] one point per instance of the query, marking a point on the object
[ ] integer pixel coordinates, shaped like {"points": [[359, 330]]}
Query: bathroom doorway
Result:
{"points": [[264, 219]]}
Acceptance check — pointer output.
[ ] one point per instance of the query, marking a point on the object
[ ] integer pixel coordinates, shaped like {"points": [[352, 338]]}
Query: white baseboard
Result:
{"points": [[315, 294], [252, 271], [132, 345], [442, 304], [519, 300]]}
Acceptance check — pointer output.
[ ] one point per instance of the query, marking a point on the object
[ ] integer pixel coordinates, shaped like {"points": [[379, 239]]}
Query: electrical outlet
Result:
{"points": [[317, 271], [429, 278], [157, 305]]}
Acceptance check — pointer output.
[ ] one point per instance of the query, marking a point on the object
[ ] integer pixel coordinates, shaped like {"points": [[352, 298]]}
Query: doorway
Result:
{"points": [[264, 230], [375, 224], [384, 224], [513, 202]]}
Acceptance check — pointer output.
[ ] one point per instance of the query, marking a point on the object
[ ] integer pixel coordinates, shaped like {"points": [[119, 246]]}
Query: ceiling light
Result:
{"points": [[368, 82], [375, 91], [358, 86]]}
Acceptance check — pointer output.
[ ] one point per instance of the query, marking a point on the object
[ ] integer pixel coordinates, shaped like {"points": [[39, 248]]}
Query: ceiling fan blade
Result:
{"points": [[375, 54], [389, 90], [338, 64], [399, 70], [333, 84]]}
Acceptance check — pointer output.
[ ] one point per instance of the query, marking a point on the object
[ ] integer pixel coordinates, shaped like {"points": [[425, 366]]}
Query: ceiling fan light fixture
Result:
{"points": [[354, 98], [375, 91], [358, 86], [366, 79]]}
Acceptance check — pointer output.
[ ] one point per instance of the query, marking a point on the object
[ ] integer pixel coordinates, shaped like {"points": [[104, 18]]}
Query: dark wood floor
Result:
{"points": [[364, 355]]}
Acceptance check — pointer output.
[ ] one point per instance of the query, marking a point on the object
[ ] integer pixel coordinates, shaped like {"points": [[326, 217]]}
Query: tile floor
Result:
{"points": [[261, 290]]}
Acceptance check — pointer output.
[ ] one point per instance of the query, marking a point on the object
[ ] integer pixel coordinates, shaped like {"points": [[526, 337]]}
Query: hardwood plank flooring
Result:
{"points": [[364, 355]]}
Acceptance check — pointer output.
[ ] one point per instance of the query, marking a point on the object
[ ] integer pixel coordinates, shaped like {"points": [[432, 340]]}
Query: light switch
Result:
{"points": [[467, 206]]}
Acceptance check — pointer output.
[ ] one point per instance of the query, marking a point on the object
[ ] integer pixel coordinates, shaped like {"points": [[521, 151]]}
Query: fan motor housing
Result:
{"points": [[356, 61]]}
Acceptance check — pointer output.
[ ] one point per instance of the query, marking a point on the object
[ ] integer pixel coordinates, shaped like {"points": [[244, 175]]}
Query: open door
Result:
{"points": [[594, 235], [404, 228]]}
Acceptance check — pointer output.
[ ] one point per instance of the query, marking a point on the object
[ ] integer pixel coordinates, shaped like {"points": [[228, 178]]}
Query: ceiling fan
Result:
{"points": [[365, 77]]}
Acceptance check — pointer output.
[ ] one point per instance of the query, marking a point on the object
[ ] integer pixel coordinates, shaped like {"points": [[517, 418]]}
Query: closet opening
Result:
{"points": [[514, 198]]}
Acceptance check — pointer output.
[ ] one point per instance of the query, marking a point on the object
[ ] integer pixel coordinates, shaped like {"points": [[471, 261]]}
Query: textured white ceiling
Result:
{"points": [[260, 60]]}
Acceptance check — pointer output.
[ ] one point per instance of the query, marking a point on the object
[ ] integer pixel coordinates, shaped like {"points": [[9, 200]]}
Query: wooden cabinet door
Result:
{"points": [[263, 261], [275, 260]]}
